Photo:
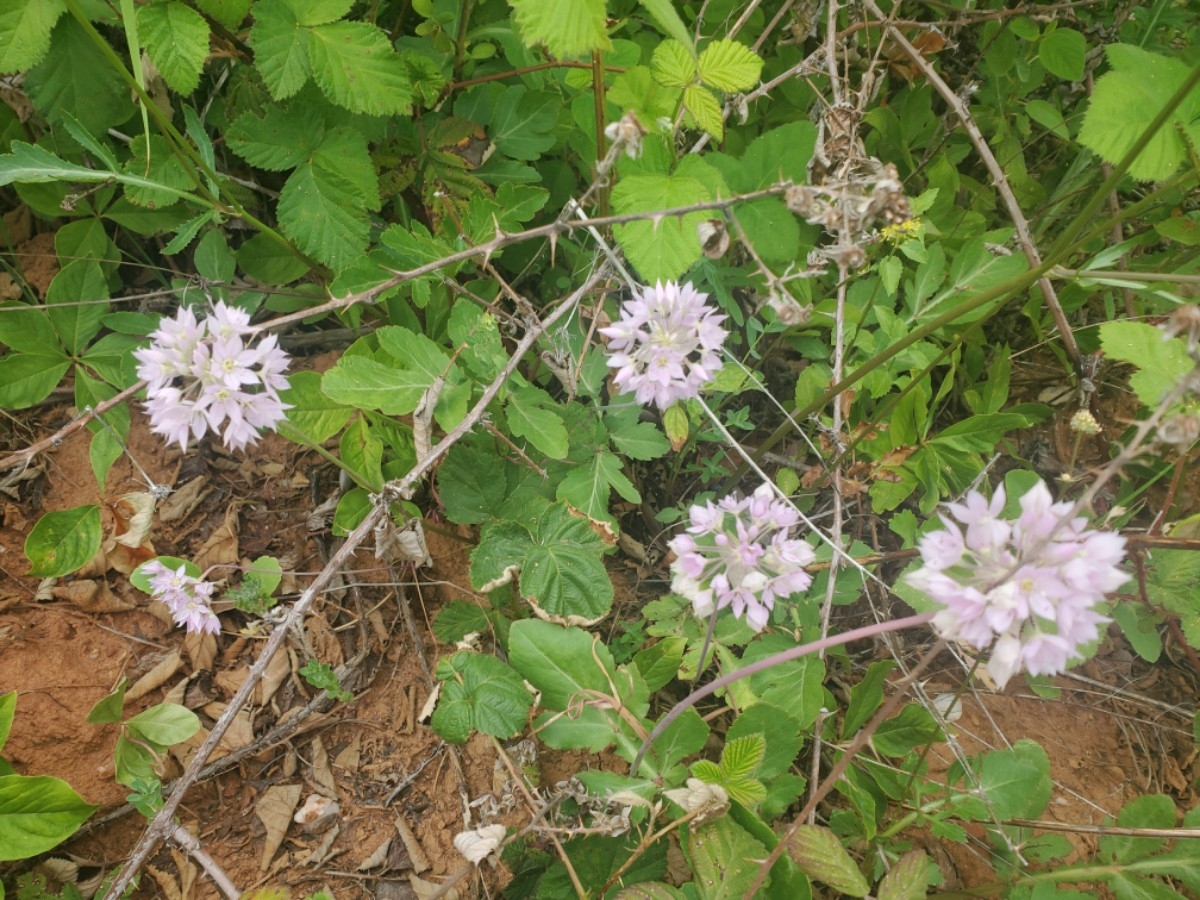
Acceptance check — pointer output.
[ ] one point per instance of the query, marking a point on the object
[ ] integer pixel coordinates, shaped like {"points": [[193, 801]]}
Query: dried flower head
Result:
{"points": [[737, 553], [186, 596], [1083, 422], [666, 344], [1028, 588], [202, 376], [627, 132]]}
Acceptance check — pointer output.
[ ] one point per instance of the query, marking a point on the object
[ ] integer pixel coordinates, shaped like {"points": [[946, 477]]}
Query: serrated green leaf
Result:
{"points": [[907, 879], [468, 484], [674, 64], [479, 693], [265, 259], [664, 14], [364, 383], [1171, 582], [76, 77], [344, 150], [355, 66], [568, 28], [457, 619], [820, 855], [742, 756], [729, 66], [319, 210], [794, 686], [1127, 99], [164, 171], [320, 12], [780, 731], [63, 541], [705, 109], [1161, 363], [25, 27], [639, 440], [230, 13], [36, 814], [282, 139], [664, 248], [588, 487], [1063, 52], [531, 415], [175, 37], [718, 851], [280, 48]]}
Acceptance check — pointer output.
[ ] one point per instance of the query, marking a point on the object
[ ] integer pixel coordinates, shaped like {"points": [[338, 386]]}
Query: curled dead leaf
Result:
{"points": [[274, 810]]}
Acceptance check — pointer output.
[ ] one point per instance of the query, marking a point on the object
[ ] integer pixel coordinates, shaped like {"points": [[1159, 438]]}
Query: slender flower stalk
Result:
{"points": [[202, 376], [666, 344], [1028, 588]]}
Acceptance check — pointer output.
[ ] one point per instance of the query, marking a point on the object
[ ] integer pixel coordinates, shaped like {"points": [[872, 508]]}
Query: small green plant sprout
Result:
{"points": [[321, 675], [37, 812], [254, 595], [143, 741]]}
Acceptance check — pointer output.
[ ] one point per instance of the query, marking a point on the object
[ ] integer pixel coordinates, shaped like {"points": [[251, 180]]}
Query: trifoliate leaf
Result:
{"points": [[673, 64], [282, 139], [479, 693], [25, 32], [705, 109], [729, 66], [280, 48], [1127, 99], [320, 211], [176, 38], [356, 68], [568, 28]]}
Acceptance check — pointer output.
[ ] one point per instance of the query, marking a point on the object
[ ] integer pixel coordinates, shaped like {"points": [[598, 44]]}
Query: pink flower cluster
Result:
{"points": [[666, 344], [186, 596], [1031, 585], [202, 376], [737, 553]]}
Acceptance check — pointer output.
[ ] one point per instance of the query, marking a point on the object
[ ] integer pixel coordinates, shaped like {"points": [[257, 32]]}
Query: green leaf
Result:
{"points": [[321, 211], [75, 77], [282, 139], [356, 68], [912, 727], [661, 248], [361, 453], [265, 258], [638, 440], [351, 510], [674, 64], [705, 109], [794, 686], [479, 693], [1063, 52], [907, 879], [587, 487], [729, 66], [980, 433], [280, 48], [27, 329], [532, 415], [469, 485], [175, 37], [63, 541], [1140, 627], [866, 697], [779, 729], [1127, 99], [1161, 363], [1172, 582], [457, 619], [659, 663], [8, 709], [568, 28], [267, 572], [522, 122], [344, 150], [1016, 782], [108, 709], [37, 814], [25, 32], [664, 14], [230, 13], [718, 851], [820, 855], [314, 417], [164, 724], [76, 301]]}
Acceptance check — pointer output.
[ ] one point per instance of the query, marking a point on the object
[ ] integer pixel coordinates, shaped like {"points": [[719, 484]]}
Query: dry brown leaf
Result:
{"points": [[231, 680], [92, 596], [183, 502], [241, 730], [187, 869], [349, 758], [322, 775], [221, 548], [168, 884], [427, 889], [9, 289], [176, 694], [156, 677], [279, 669], [323, 852], [201, 649], [322, 639], [377, 857], [274, 810], [416, 853]]}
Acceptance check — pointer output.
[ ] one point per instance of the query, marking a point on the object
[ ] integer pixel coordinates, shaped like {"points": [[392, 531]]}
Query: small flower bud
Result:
{"points": [[1083, 422]]}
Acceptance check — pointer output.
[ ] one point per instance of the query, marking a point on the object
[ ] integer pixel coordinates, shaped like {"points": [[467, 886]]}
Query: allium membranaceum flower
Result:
{"points": [[737, 553], [666, 344], [186, 596], [1031, 585], [201, 375]]}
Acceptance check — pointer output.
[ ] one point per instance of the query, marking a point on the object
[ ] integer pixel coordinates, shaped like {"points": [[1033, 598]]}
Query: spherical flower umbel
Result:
{"points": [[666, 345], [186, 596], [737, 553], [201, 375], [1028, 588]]}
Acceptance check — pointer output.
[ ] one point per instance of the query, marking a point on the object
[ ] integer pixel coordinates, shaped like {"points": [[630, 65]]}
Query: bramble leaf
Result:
{"points": [[280, 48], [321, 211], [356, 68], [1161, 363], [1063, 52], [479, 693], [175, 37], [820, 855], [729, 66], [718, 851], [663, 12], [282, 139], [76, 77], [568, 28], [25, 32], [663, 248], [532, 415], [705, 109], [164, 170], [674, 64]]}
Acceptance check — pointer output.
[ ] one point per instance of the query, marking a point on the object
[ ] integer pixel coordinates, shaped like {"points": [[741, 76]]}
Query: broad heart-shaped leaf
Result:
{"points": [[356, 68], [282, 139], [1063, 52], [674, 64], [568, 28], [718, 851], [280, 48], [175, 37], [1161, 363], [76, 77], [820, 855], [37, 814], [25, 32], [730, 66], [470, 484], [321, 211], [522, 122], [531, 415], [661, 248], [1127, 99], [63, 541], [481, 693]]}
